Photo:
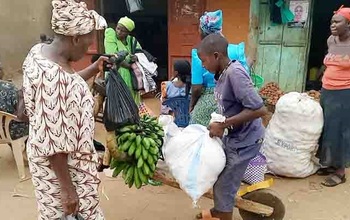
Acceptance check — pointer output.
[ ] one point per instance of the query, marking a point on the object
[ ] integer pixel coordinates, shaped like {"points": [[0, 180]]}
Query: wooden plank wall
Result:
{"points": [[236, 18]]}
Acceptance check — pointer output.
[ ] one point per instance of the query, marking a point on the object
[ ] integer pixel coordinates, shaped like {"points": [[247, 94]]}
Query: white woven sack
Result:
{"points": [[195, 160], [292, 136]]}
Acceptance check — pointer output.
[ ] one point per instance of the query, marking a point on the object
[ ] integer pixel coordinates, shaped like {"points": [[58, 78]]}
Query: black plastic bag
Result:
{"points": [[120, 108]]}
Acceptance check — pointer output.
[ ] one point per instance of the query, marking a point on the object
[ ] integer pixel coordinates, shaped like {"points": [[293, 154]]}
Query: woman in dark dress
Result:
{"points": [[334, 151]]}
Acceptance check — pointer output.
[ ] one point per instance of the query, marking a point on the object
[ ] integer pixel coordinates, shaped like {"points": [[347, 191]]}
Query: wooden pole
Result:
{"points": [[241, 203]]}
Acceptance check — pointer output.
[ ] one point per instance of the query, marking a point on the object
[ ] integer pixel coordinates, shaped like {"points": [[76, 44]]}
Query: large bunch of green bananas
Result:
{"points": [[143, 144]]}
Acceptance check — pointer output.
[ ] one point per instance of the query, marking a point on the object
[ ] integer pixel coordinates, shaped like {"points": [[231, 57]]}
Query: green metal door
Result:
{"points": [[281, 51]]}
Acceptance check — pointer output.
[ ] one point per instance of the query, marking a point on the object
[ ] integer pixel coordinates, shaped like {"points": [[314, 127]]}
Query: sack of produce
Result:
{"points": [[291, 138], [120, 108], [195, 160], [145, 110], [271, 93]]}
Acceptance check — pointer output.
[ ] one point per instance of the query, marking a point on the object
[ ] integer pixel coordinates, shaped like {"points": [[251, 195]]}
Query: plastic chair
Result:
{"points": [[181, 108], [18, 145]]}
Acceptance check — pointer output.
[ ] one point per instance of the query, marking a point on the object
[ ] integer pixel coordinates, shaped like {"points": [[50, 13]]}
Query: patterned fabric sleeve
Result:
{"points": [[8, 102], [28, 91], [58, 127], [8, 97]]}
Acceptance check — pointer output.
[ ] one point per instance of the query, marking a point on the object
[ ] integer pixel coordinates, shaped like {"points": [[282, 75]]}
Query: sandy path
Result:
{"points": [[304, 199]]}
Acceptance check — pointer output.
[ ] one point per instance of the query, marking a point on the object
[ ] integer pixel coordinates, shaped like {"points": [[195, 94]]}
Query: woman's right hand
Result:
{"points": [[69, 201], [133, 58], [100, 62], [125, 65], [69, 196]]}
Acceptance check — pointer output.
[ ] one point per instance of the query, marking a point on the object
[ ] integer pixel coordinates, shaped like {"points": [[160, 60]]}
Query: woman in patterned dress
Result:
{"points": [[62, 158]]}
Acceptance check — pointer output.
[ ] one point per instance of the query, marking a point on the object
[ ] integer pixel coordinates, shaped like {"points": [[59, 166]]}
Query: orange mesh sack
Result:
{"points": [[144, 110]]}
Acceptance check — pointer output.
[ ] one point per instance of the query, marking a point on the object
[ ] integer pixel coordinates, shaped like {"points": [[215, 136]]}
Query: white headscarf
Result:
{"points": [[71, 18]]}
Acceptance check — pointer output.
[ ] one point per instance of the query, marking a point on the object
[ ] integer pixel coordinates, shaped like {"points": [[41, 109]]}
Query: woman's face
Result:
{"points": [[121, 31], [298, 12], [81, 45], [339, 25], [209, 62]]}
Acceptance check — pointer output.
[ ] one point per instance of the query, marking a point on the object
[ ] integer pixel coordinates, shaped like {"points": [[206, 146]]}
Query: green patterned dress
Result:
{"points": [[206, 105]]}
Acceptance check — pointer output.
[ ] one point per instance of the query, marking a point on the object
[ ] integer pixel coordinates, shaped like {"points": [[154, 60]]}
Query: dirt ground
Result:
{"points": [[304, 199]]}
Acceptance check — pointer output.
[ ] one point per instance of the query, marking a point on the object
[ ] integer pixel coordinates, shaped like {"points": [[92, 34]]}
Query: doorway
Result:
{"points": [[151, 28], [322, 15]]}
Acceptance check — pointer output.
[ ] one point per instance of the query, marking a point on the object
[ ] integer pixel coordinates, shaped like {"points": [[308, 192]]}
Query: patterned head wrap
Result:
{"points": [[211, 22], [127, 23], [345, 12], [71, 18]]}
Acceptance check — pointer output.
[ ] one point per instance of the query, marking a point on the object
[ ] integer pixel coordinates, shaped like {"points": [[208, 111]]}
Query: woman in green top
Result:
{"points": [[120, 40]]}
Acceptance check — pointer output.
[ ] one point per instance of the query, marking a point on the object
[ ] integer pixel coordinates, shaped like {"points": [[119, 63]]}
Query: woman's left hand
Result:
{"points": [[216, 129]]}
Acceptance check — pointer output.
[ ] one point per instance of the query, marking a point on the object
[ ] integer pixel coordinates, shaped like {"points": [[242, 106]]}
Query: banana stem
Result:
{"points": [[112, 147], [106, 158]]}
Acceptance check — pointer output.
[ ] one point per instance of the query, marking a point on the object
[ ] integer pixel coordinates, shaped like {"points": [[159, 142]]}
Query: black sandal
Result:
{"points": [[334, 180], [206, 215], [326, 171]]}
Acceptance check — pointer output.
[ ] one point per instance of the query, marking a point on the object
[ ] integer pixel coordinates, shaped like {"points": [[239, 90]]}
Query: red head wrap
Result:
{"points": [[345, 12]]}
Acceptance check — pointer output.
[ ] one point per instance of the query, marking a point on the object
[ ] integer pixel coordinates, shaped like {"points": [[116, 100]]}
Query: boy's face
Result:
{"points": [[210, 62]]}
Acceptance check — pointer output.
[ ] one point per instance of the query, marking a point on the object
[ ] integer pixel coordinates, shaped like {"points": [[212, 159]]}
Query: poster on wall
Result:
{"points": [[300, 9]]}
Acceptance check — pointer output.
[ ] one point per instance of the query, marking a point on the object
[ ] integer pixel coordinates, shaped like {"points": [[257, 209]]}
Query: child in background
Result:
{"points": [[239, 102], [180, 85]]}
